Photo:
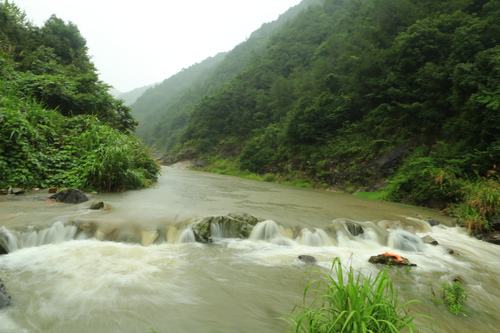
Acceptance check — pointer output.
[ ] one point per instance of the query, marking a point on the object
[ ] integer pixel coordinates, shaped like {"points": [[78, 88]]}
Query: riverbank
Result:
{"points": [[477, 210]]}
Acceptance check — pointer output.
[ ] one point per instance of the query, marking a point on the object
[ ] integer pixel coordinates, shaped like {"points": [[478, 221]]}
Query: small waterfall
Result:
{"points": [[216, 230], [317, 237], [57, 233], [404, 240], [7, 240], [187, 236], [265, 230]]}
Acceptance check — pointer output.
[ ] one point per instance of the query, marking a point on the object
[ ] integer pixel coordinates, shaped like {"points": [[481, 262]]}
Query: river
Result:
{"points": [[134, 267]]}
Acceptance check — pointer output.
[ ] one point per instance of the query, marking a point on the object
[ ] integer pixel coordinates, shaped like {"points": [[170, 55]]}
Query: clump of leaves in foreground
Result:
{"points": [[352, 303], [454, 297]]}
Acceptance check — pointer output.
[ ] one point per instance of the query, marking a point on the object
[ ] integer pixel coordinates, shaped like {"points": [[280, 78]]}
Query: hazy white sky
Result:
{"points": [[138, 42]]}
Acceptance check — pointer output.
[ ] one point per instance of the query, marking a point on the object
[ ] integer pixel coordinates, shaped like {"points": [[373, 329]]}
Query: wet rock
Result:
{"points": [[452, 252], [433, 222], [53, 190], [495, 224], [354, 229], [229, 226], [492, 237], [5, 299], [429, 240], [307, 259], [390, 259], [16, 191], [96, 205], [70, 196], [4, 191]]}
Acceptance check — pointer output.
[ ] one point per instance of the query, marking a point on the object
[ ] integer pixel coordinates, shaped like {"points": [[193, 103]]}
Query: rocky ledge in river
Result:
{"points": [[4, 296], [390, 259], [231, 226], [72, 196]]}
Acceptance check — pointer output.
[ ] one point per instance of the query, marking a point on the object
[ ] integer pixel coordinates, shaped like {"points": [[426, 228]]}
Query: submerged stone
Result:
{"points": [[96, 205], [307, 259], [433, 222], [70, 196], [390, 259], [5, 299], [429, 240]]}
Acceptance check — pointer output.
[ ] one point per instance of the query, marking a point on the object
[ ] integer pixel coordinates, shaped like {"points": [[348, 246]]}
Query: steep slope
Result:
{"points": [[163, 111], [59, 126]]}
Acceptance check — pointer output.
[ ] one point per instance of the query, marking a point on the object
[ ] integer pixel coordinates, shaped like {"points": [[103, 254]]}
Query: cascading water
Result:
{"points": [[317, 237], [404, 240], [187, 236], [57, 233]]}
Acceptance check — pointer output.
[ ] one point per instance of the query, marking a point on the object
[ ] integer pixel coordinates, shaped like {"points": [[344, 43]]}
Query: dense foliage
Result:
{"points": [[58, 124], [349, 302], [363, 94]]}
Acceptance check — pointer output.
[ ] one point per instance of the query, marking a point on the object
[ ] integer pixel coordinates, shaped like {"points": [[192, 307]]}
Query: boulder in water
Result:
{"points": [[16, 190], [70, 196], [231, 226], [429, 240], [391, 259], [307, 259], [4, 296], [433, 222], [354, 228], [96, 205]]}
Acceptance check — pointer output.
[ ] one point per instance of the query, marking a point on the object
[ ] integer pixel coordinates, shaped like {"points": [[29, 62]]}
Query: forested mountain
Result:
{"points": [[59, 126], [401, 95], [163, 111], [132, 96]]}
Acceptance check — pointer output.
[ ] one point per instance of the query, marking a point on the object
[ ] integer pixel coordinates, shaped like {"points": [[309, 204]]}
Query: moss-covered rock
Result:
{"points": [[226, 226]]}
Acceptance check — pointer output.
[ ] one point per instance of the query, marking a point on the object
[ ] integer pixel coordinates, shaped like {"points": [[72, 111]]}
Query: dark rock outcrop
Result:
{"points": [[429, 240], [390, 259], [5, 299], [354, 229], [307, 259], [96, 205], [70, 196], [231, 226]]}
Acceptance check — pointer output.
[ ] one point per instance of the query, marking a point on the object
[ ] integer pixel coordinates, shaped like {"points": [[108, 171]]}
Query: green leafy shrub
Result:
{"points": [[421, 181], [454, 296], [352, 303], [40, 148]]}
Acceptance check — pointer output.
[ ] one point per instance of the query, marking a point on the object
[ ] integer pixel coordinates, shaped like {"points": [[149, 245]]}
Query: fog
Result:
{"points": [[135, 43]]}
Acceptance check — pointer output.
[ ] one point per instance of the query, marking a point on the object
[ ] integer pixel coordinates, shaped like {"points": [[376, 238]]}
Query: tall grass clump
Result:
{"points": [[348, 302], [480, 206], [454, 296]]}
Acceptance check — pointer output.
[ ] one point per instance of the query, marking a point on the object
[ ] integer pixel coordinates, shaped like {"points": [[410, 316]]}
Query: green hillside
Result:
{"points": [[163, 111], [59, 126], [401, 97]]}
